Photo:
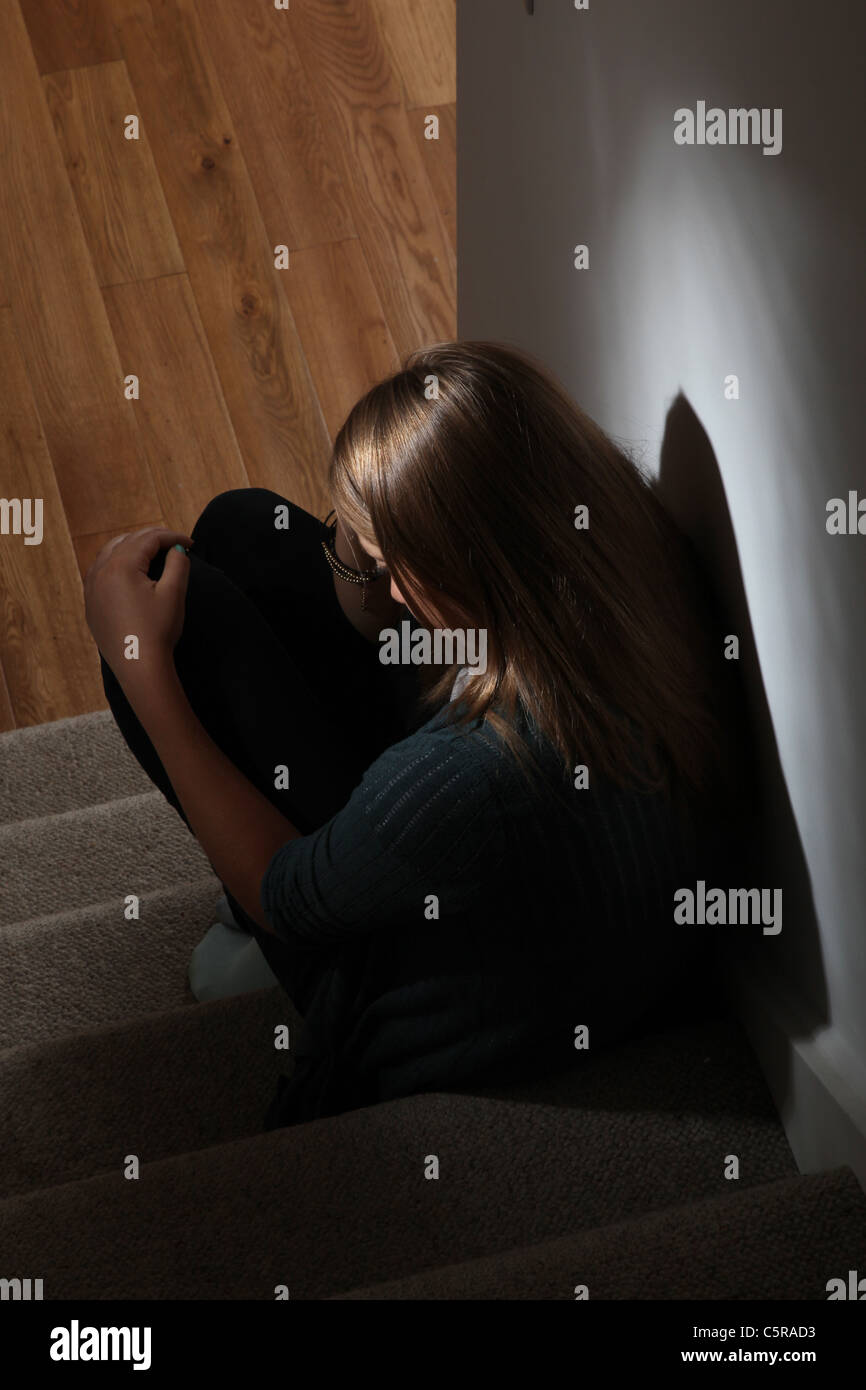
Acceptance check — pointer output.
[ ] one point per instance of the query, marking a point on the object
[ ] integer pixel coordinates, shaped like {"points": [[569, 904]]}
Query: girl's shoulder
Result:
{"points": [[437, 793]]}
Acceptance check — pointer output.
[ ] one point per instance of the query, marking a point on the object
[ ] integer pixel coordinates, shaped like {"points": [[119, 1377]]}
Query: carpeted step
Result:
{"points": [[340, 1204], [662, 1155], [349, 1193], [104, 1057], [89, 967], [663, 1074], [96, 855], [66, 765], [163, 1084], [783, 1240], [624, 1158]]}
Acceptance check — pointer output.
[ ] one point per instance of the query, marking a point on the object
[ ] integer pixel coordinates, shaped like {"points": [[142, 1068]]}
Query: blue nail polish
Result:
{"points": [[181, 549]]}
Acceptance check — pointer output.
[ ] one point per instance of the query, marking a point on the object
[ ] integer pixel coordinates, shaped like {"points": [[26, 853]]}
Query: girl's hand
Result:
{"points": [[122, 603]]}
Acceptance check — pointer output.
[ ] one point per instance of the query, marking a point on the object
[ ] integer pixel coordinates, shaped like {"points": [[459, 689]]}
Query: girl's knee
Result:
{"points": [[239, 509]]}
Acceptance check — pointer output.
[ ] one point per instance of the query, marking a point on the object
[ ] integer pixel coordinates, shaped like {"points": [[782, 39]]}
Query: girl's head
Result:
{"points": [[498, 505]]}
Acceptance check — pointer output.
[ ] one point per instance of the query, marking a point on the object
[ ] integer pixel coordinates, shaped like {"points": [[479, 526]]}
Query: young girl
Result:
{"points": [[462, 874]]}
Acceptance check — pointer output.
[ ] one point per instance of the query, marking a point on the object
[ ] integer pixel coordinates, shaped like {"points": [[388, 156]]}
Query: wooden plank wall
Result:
{"points": [[154, 257]]}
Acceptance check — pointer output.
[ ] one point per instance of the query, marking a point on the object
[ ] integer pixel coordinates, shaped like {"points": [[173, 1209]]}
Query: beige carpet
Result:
{"points": [[611, 1175]]}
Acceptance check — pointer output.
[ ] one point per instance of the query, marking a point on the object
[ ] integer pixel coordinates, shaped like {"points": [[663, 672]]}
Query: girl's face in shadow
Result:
{"points": [[418, 605], [375, 554]]}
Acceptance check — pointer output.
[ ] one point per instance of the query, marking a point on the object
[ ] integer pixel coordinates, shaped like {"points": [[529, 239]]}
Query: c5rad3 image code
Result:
{"points": [[751, 1353]]}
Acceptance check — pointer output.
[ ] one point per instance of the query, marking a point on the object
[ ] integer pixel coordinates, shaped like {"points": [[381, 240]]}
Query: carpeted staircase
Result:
{"points": [[611, 1176]]}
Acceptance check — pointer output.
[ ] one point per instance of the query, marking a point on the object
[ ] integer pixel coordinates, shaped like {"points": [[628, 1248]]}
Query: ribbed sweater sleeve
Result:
{"points": [[426, 819]]}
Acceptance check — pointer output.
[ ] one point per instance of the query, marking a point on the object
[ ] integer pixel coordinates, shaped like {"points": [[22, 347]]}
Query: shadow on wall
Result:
{"points": [[691, 488]]}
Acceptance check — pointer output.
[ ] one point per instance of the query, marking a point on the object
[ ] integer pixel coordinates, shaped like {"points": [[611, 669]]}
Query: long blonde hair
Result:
{"points": [[466, 469]]}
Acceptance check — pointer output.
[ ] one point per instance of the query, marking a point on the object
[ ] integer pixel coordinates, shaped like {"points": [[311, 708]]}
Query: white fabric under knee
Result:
{"points": [[227, 962]]}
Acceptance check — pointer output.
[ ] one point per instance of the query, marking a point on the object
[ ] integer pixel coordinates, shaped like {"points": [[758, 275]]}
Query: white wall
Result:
{"points": [[706, 261]]}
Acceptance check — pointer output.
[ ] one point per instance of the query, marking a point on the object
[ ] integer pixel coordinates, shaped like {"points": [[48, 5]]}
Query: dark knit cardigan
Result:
{"points": [[460, 925]]}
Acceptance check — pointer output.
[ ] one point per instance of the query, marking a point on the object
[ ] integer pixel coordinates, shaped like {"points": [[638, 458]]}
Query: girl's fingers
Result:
{"points": [[144, 545], [140, 547]]}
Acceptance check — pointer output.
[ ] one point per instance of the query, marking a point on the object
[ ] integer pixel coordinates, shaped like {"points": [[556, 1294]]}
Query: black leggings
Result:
{"points": [[277, 675]]}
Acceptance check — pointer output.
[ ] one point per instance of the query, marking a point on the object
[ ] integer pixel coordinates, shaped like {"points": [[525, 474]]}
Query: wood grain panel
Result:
{"points": [[50, 662], [259, 127], [288, 152], [421, 38], [440, 162], [70, 33], [360, 97], [63, 329], [7, 714], [116, 186], [240, 297], [183, 420], [340, 319], [88, 547]]}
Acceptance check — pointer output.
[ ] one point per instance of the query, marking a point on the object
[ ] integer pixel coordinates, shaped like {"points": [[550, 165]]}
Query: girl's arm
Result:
{"points": [[238, 828]]}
